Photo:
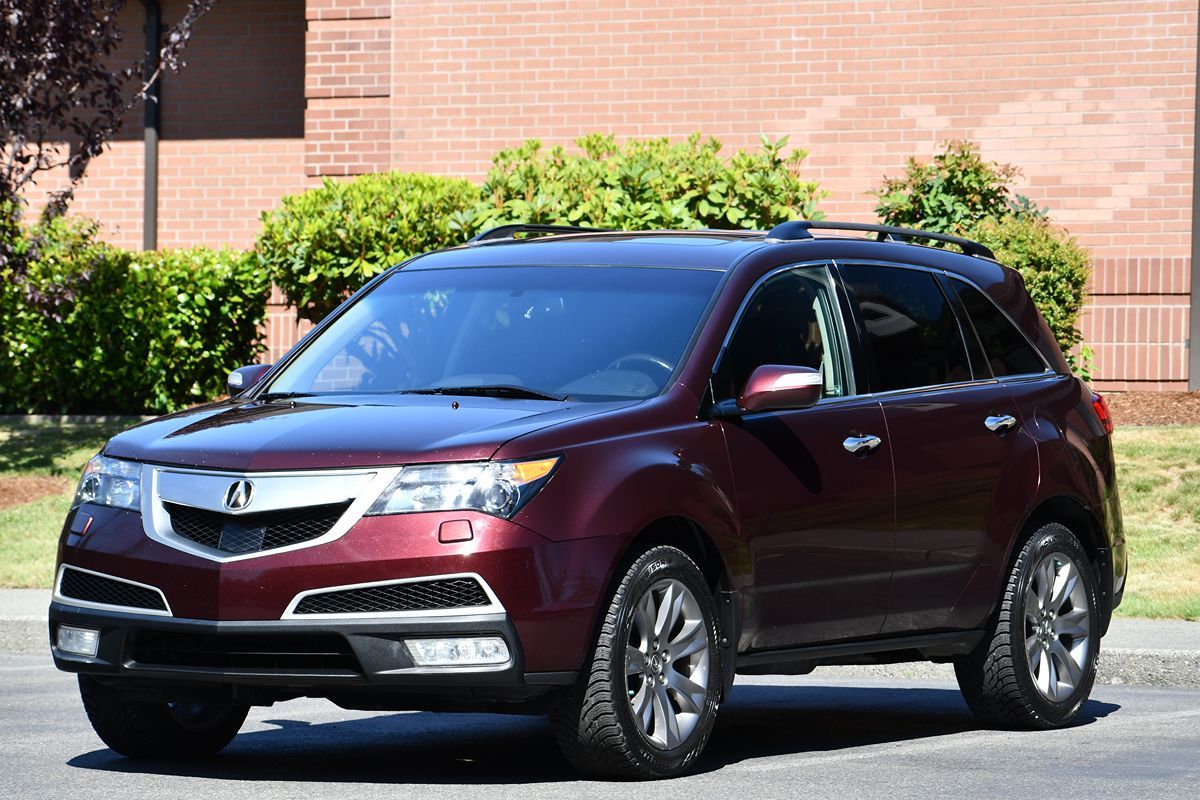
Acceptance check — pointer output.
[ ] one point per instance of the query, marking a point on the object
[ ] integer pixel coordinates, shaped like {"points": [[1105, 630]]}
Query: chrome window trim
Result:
{"points": [[59, 597], [494, 608], [156, 522]]}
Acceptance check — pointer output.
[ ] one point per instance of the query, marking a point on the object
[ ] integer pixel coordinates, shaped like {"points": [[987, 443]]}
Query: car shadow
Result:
{"points": [[424, 748]]}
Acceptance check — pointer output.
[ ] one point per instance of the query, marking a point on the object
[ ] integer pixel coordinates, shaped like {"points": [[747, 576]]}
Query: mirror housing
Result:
{"points": [[244, 378], [775, 387]]}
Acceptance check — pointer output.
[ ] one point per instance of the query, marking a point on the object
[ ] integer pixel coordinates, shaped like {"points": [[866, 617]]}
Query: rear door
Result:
{"points": [[953, 429], [818, 519]]}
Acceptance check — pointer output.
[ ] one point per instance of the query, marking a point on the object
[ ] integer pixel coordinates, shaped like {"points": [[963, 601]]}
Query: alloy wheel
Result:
{"points": [[1057, 626], [667, 664]]}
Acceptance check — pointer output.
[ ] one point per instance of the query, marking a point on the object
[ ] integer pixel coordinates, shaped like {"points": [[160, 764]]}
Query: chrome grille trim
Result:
{"points": [[278, 490], [59, 597], [493, 608]]}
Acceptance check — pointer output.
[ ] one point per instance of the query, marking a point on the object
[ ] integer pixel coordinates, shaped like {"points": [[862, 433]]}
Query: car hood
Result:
{"points": [[346, 432]]}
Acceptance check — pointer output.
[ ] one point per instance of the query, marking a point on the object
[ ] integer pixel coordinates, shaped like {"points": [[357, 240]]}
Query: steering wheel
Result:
{"points": [[643, 358]]}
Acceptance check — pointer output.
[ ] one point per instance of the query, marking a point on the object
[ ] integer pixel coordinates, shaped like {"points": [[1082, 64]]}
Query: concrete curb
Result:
{"points": [[1135, 652]]}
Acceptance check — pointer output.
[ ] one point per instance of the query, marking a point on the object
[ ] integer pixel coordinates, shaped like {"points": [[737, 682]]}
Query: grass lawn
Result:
{"points": [[1159, 480], [45, 454]]}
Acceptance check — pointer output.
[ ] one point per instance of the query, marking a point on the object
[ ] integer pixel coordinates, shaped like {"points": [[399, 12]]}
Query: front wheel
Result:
{"points": [[1036, 667], [646, 701], [146, 729]]}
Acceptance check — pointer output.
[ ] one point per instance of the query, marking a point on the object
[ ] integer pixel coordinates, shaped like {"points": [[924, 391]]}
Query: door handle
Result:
{"points": [[1000, 423], [860, 445]]}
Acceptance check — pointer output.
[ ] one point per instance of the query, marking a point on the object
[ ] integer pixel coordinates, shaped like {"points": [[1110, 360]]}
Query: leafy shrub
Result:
{"points": [[103, 330], [648, 184], [952, 193], [958, 192], [322, 244]]}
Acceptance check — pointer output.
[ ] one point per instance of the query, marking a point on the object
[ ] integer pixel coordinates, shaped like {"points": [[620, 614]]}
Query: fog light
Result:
{"points": [[468, 652], [80, 641]]}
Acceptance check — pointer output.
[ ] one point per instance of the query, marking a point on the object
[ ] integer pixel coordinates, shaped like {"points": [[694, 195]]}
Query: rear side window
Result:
{"points": [[1007, 350], [911, 329]]}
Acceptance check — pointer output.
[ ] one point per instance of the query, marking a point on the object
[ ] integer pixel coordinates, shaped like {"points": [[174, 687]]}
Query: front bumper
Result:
{"points": [[288, 658]]}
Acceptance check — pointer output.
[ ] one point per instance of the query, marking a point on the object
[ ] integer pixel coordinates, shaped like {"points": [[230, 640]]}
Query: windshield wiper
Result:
{"points": [[498, 390], [269, 396]]}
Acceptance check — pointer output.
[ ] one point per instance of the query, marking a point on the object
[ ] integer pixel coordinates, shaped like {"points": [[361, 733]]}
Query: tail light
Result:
{"points": [[1100, 406]]}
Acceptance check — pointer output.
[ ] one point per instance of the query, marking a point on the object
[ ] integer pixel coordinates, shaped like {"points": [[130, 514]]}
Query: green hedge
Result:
{"points": [[323, 244], [96, 329]]}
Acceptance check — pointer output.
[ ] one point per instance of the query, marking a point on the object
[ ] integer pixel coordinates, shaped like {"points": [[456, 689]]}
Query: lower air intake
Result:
{"points": [[433, 595]]}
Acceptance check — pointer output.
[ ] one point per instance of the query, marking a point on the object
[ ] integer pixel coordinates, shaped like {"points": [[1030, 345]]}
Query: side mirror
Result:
{"points": [[244, 378], [773, 387]]}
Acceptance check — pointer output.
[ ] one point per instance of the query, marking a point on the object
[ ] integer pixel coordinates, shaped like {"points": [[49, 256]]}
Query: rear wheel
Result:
{"points": [[646, 701], [1037, 666], [142, 729]]}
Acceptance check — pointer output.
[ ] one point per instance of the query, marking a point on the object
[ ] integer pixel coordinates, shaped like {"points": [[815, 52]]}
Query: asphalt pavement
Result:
{"points": [[855, 732], [777, 737]]}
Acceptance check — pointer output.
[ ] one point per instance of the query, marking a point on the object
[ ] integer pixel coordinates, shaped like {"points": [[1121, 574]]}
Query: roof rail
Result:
{"points": [[510, 231], [801, 229]]}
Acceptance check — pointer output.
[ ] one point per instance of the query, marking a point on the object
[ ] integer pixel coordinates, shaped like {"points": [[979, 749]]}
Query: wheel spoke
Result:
{"points": [[1074, 623], [662, 618], [693, 641], [1032, 645], [643, 710], [689, 694], [1064, 583], [643, 619], [1041, 672], [670, 724], [635, 660], [1033, 602], [1066, 660], [1046, 582]]}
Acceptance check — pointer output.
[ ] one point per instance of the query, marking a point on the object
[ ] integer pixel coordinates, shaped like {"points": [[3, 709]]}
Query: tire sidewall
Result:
{"points": [[658, 564], [1046, 540]]}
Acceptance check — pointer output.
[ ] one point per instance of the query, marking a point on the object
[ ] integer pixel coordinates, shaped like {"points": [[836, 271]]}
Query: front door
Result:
{"points": [[818, 518]]}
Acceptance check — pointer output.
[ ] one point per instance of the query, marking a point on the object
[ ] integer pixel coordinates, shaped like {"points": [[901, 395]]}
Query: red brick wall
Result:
{"points": [[1095, 101]]}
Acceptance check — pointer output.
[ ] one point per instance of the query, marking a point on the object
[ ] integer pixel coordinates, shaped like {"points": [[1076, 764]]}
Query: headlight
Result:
{"points": [[110, 482], [494, 487]]}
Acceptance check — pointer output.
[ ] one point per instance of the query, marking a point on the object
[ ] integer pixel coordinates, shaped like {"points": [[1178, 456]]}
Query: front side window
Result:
{"points": [[1006, 348], [792, 319], [911, 331], [586, 333]]}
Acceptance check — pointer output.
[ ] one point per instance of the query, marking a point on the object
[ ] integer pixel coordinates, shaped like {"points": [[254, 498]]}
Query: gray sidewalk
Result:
{"points": [[1143, 652]]}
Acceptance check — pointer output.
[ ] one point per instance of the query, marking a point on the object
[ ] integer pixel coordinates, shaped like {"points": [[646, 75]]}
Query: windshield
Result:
{"points": [[560, 332]]}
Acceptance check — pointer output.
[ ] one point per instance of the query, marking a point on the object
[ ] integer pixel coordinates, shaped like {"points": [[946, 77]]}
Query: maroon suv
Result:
{"points": [[596, 474]]}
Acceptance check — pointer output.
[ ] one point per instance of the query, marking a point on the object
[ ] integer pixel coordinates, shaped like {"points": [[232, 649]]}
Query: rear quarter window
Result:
{"points": [[1007, 350]]}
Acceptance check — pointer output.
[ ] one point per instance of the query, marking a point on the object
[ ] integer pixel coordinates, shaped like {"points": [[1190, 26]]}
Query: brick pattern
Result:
{"points": [[1094, 101], [348, 85]]}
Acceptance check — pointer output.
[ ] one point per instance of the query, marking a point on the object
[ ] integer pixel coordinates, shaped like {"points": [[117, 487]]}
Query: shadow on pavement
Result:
{"points": [[759, 721]]}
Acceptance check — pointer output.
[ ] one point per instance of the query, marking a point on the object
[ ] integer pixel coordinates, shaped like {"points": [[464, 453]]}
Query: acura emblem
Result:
{"points": [[238, 495]]}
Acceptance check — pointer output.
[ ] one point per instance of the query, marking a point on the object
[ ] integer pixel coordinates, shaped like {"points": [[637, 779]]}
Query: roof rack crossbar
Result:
{"points": [[510, 231], [802, 229]]}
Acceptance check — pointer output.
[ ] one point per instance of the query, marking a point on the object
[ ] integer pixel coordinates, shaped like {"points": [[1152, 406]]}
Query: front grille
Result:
{"points": [[440, 594], [90, 588], [325, 653], [250, 533]]}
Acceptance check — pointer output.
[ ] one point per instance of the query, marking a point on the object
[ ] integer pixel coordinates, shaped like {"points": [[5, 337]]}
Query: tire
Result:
{"points": [[141, 729], [1036, 667], [676, 698]]}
